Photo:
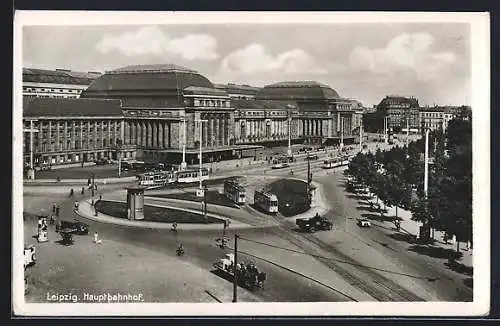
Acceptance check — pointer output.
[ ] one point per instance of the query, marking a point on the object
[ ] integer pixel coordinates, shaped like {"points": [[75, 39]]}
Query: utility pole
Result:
{"points": [[31, 130], [341, 132], [184, 139], [426, 162], [289, 135], [235, 269], [205, 204], [361, 137], [309, 178], [93, 186], [201, 190], [407, 132]]}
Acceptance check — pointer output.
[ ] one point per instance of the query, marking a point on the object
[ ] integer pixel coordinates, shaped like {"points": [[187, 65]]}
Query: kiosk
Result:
{"points": [[135, 203]]}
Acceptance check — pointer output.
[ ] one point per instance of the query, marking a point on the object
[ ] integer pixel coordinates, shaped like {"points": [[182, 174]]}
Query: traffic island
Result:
{"points": [[213, 197], [292, 196], [155, 214]]}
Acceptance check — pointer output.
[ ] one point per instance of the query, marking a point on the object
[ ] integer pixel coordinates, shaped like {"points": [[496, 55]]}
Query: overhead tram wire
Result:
{"points": [[297, 273], [327, 258]]}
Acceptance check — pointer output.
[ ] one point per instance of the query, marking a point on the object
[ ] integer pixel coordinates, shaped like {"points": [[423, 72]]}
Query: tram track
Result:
{"points": [[381, 288]]}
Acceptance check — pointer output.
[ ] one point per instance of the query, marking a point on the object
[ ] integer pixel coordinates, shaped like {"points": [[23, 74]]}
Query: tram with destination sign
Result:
{"points": [[266, 201], [234, 191]]}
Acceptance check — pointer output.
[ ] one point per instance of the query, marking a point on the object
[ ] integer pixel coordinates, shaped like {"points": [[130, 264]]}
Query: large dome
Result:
{"points": [[146, 85], [297, 90]]}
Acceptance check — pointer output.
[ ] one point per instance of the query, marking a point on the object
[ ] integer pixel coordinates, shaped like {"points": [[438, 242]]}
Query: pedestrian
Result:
{"points": [[77, 204], [57, 210], [100, 196], [83, 190], [88, 182], [53, 207]]}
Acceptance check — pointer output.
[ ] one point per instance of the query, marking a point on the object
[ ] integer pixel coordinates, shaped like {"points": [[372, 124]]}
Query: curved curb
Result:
{"points": [[160, 225]]}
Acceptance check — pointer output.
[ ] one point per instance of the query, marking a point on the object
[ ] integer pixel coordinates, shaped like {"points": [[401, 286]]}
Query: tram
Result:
{"points": [[266, 201], [335, 162], [234, 191], [153, 180], [191, 175]]}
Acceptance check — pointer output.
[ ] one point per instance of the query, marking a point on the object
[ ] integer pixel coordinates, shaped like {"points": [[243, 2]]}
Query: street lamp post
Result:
{"points": [[289, 135], [200, 192], [341, 132], [426, 163], [184, 139], [361, 137], [407, 132]]}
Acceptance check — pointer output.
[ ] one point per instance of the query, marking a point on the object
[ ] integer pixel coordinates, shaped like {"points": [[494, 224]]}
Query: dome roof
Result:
{"points": [[150, 78], [297, 90]]}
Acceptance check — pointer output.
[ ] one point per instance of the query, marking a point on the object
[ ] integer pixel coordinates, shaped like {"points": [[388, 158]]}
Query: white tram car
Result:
{"points": [[190, 176], [153, 180], [235, 192], [335, 162], [266, 201]]}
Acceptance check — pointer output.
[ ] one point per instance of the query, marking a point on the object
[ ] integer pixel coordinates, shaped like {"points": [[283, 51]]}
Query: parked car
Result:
{"points": [[280, 165], [76, 227], [364, 223]]}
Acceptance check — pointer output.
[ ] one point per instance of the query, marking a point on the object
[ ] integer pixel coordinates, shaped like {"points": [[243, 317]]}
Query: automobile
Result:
{"points": [[314, 223], [75, 227], [29, 255], [102, 161], [280, 166], [364, 223], [311, 157]]}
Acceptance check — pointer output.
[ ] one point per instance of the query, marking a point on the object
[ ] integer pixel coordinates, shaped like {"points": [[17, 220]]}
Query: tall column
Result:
{"points": [[95, 135], [217, 130], [161, 143], [223, 130], [205, 140], [49, 138], [126, 141], [132, 132], [143, 133], [101, 140], [338, 122], [57, 137], [211, 129], [155, 134]]}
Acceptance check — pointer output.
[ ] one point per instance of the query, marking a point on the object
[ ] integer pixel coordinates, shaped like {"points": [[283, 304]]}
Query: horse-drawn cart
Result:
{"points": [[247, 273]]}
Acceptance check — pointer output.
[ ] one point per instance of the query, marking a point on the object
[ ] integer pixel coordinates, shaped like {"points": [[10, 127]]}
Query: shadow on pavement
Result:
{"points": [[377, 217], [460, 268], [64, 243], [468, 282], [406, 237], [436, 252]]}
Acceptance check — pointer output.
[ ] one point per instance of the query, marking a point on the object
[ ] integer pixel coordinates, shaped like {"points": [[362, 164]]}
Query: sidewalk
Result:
{"points": [[86, 210], [412, 227]]}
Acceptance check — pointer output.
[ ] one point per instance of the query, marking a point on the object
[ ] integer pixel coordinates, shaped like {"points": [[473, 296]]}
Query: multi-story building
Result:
{"points": [[323, 115], [55, 83], [435, 118], [401, 112], [162, 112], [71, 130], [238, 92]]}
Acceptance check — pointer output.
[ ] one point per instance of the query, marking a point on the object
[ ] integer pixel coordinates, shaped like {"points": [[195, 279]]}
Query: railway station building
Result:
{"points": [[157, 110]]}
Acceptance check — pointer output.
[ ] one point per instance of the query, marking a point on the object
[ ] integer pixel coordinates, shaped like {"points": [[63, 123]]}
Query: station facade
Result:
{"points": [[160, 110]]}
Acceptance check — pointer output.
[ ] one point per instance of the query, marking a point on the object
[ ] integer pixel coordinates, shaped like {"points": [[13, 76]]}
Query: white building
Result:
{"points": [[57, 83]]}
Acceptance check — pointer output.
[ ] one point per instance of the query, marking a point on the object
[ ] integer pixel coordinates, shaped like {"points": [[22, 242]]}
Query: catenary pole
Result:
{"points": [[235, 277]]}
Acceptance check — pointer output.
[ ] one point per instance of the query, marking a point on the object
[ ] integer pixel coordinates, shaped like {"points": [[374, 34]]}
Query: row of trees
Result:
{"points": [[396, 177]]}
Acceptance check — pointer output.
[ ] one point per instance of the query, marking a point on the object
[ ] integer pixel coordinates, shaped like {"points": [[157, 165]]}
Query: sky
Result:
{"points": [[429, 61]]}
